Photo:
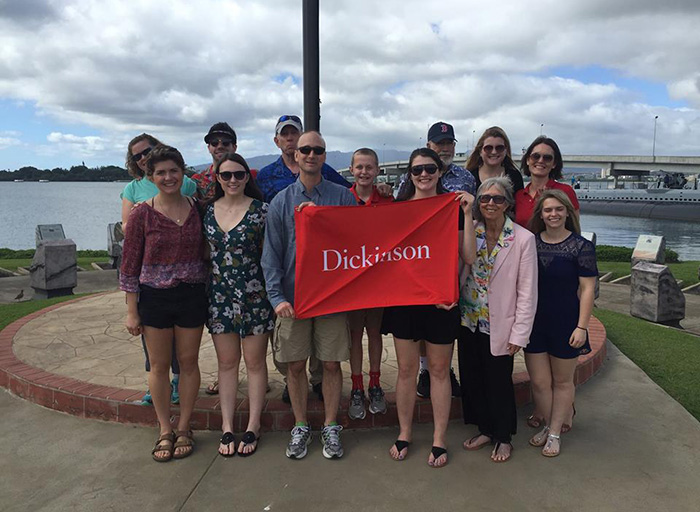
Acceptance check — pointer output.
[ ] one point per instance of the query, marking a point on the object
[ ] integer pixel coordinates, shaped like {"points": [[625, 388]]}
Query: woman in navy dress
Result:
{"points": [[566, 288]]}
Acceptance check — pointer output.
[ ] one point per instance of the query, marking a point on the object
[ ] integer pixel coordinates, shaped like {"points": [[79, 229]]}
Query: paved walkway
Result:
{"points": [[623, 455]]}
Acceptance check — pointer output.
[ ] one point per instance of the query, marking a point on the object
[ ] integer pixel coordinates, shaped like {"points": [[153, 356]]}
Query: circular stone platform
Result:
{"points": [[77, 357]]}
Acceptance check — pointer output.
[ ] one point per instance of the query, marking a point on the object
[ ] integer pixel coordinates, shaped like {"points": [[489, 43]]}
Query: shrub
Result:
{"points": [[614, 253], [21, 254]]}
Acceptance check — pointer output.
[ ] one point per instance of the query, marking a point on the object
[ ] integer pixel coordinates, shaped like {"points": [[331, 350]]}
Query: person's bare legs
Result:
{"points": [[254, 353], [407, 357], [187, 341], [228, 355], [374, 347], [563, 396], [298, 385], [541, 382], [159, 344], [332, 385], [439, 359]]}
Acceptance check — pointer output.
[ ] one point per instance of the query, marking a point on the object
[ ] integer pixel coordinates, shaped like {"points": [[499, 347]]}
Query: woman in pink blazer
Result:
{"points": [[497, 306]]}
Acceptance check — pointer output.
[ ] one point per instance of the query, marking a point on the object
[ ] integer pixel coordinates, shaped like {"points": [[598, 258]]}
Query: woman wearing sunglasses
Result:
{"points": [[437, 325], [491, 158], [240, 316], [163, 274], [543, 163], [139, 190], [567, 271], [497, 306]]}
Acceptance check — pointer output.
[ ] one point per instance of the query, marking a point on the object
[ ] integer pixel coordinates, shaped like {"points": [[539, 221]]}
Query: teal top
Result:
{"points": [[138, 191]]}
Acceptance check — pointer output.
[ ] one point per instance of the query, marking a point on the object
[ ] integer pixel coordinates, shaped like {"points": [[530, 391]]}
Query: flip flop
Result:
{"points": [[437, 452], [401, 446], [534, 422], [479, 447], [213, 388], [247, 439], [495, 451], [226, 440]]}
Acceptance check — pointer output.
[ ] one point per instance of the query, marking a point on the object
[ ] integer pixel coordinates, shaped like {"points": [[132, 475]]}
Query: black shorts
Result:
{"points": [[163, 308], [427, 323]]}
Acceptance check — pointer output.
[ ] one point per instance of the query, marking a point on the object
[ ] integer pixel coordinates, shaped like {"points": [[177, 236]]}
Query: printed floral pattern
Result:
{"points": [[474, 299], [237, 297]]}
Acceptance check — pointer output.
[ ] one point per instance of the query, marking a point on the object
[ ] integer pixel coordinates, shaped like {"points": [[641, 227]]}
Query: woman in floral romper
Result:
{"points": [[240, 315]]}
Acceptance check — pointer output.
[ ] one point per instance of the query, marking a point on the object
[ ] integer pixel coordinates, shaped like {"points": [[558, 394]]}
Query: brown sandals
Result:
{"points": [[184, 439], [169, 448]]}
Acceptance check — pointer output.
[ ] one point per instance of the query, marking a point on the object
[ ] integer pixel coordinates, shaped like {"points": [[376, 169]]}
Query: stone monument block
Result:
{"points": [[591, 237], [47, 232], [54, 270], [115, 242], [655, 294], [649, 248]]}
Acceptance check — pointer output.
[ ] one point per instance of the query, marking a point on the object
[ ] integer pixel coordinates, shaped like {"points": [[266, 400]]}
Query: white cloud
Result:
{"points": [[388, 70]]}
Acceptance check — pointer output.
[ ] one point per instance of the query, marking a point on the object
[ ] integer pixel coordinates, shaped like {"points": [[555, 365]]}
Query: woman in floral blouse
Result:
{"points": [[239, 312], [497, 307]]}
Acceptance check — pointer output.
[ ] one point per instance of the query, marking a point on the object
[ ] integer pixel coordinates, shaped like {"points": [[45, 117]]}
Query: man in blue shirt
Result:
{"points": [[284, 171], [295, 340]]}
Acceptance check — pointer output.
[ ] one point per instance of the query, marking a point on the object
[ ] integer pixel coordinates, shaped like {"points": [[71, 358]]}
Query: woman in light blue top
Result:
{"points": [[141, 189]]}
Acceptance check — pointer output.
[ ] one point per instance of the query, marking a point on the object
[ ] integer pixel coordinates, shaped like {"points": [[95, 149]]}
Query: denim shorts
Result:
{"points": [[184, 305]]}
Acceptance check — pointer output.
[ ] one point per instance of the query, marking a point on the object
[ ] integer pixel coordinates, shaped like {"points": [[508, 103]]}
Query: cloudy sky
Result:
{"points": [[79, 78]]}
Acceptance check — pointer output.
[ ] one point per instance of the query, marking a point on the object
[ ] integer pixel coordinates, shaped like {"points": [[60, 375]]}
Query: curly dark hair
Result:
{"points": [[131, 165], [162, 153]]}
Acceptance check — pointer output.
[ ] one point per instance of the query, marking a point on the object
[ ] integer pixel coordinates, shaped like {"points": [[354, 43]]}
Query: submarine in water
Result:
{"points": [[670, 197]]}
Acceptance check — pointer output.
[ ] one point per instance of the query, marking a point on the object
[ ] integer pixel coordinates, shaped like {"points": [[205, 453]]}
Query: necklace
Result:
{"points": [[168, 215]]}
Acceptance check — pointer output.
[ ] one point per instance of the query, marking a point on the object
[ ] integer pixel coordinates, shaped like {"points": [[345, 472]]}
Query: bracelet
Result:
{"points": [[582, 328]]}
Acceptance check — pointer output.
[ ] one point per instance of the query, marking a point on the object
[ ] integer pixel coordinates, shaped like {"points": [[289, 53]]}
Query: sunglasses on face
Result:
{"points": [[227, 175], [289, 118], [417, 170], [215, 143], [535, 157], [500, 148], [139, 156], [486, 199], [306, 150]]}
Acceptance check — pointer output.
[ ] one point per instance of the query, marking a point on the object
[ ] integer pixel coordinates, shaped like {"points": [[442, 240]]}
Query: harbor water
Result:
{"points": [[85, 209]]}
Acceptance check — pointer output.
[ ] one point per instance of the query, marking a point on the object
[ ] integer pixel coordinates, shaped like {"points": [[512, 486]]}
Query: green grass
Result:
{"points": [[11, 312], [670, 357], [687, 270], [12, 264]]}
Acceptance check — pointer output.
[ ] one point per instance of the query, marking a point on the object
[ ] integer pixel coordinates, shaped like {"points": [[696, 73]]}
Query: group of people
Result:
{"points": [[220, 249]]}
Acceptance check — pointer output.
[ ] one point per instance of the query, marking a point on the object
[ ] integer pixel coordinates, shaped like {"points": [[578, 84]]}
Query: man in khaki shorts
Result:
{"points": [[327, 337]]}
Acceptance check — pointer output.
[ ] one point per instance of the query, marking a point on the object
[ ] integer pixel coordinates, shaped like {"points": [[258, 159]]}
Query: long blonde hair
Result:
{"points": [[536, 224]]}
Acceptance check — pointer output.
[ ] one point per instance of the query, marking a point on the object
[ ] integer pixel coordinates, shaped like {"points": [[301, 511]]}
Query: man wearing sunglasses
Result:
{"points": [[295, 340], [441, 139], [220, 139], [284, 171]]}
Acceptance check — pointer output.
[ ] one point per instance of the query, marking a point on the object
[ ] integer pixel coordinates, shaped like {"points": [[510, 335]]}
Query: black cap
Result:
{"points": [[220, 129], [441, 131]]}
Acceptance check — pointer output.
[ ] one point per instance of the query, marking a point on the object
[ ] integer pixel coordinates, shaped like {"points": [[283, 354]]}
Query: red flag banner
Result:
{"points": [[394, 254]]}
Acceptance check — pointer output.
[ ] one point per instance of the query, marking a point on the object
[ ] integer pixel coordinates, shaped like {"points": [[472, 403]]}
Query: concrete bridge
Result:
{"points": [[610, 165]]}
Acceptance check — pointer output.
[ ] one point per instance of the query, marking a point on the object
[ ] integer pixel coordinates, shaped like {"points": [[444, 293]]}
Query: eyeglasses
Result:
{"points": [[284, 118], [306, 150], [417, 170], [488, 148], [227, 175], [546, 158], [215, 143], [486, 199], [138, 156]]}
